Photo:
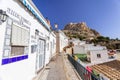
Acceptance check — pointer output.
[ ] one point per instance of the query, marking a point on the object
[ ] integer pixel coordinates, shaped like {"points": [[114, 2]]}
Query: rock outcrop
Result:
{"points": [[80, 30]]}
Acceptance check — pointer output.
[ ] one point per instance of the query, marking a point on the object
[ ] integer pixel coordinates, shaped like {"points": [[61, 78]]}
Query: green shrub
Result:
{"points": [[82, 57]]}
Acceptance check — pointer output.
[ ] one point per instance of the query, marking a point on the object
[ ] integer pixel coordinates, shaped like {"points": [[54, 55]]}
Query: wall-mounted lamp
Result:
{"points": [[36, 32], [3, 16]]}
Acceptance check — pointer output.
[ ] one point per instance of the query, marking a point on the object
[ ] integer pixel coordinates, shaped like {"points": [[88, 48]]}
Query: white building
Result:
{"points": [[52, 45], [84, 48], [75, 41], [61, 41], [97, 56], [27, 43]]}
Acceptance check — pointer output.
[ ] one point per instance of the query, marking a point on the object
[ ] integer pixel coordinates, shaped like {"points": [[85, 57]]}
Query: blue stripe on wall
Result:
{"points": [[14, 59]]}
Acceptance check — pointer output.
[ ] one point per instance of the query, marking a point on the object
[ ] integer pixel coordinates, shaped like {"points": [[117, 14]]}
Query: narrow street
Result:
{"points": [[54, 70], [59, 68], [57, 71]]}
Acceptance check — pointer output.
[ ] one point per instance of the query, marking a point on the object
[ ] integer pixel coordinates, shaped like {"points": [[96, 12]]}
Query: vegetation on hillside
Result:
{"points": [[106, 41], [82, 32]]}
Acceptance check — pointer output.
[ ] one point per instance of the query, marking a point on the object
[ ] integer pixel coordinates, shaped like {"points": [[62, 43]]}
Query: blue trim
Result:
{"points": [[35, 14], [14, 59]]}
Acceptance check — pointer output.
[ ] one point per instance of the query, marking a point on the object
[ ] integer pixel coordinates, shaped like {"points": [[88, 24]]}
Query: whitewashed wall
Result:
{"points": [[24, 69], [79, 49], [52, 46], [95, 59], [83, 49], [63, 40]]}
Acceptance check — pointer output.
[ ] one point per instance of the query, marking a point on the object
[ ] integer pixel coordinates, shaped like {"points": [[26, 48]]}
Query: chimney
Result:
{"points": [[48, 22]]}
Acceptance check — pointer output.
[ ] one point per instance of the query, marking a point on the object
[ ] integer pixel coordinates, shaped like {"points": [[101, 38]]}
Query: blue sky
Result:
{"points": [[101, 15]]}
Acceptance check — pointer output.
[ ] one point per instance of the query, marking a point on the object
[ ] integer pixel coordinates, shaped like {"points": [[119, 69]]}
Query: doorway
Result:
{"points": [[40, 56]]}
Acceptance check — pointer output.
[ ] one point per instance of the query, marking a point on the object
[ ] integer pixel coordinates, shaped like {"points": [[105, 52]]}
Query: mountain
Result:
{"points": [[80, 30]]}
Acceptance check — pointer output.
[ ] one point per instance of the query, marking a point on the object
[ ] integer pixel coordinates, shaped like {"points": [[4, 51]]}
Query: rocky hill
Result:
{"points": [[80, 30]]}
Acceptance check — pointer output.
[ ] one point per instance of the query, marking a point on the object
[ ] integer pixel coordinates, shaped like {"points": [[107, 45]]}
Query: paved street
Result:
{"points": [[59, 69], [54, 70], [70, 70]]}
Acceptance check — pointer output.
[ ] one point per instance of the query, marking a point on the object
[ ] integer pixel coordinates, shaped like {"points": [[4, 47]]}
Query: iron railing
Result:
{"points": [[83, 73]]}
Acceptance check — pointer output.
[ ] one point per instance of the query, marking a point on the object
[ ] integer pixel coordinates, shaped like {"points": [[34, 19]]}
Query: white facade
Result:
{"points": [[63, 39], [79, 49], [52, 45], [75, 41], [84, 48], [97, 56], [25, 41]]}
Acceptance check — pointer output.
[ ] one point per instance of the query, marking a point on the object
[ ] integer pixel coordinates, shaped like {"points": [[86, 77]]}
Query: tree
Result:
{"points": [[116, 39]]}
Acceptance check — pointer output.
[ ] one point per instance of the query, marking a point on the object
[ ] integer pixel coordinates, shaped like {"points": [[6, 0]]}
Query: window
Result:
{"points": [[16, 43], [33, 48], [19, 40], [17, 50], [20, 36], [98, 55]]}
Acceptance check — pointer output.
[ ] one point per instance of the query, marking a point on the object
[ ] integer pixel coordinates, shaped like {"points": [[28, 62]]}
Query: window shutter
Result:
{"points": [[20, 36]]}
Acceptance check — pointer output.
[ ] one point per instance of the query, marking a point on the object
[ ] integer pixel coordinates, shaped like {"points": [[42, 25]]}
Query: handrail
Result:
{"points": [[82, 71]]}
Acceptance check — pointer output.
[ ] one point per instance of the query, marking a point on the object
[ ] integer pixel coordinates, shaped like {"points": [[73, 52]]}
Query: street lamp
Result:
{"points": [[3, 16], [56, 25]]}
